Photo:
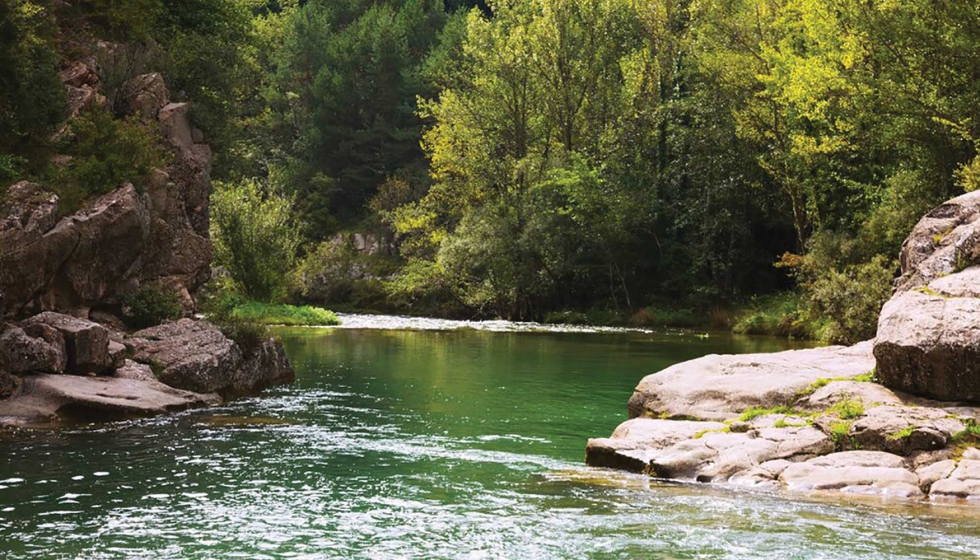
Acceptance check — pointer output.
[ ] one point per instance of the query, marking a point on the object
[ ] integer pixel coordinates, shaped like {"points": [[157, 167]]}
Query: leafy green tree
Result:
{"points": [[31, 96], [256, 237]]}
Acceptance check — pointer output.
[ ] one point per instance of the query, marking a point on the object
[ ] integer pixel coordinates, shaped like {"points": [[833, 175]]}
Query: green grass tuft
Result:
{"points": [[702, 433], [755, 412], [902, 434], [270, 314], [839, 432], [848, 409]]}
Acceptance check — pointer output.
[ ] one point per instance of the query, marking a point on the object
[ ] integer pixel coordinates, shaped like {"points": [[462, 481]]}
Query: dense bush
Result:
{"points": [[149, 307], [256, 237], [106, 152]]}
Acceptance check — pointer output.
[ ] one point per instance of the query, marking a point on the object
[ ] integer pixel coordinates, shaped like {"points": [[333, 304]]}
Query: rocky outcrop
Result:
{"points": [[40, 348], [799, 420], [928, 340], [721, 387], [166, 368], [942, 242], [197, 356], [156, 235]]}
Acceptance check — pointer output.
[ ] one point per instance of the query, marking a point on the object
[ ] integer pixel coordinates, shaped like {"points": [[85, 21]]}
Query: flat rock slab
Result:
{"points": [[703, 451], [636, 442], [44, 397], [860, 472], [722, 387]]}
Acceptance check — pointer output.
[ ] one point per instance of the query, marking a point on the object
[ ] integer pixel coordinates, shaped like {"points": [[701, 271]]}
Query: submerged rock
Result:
{"points": [[721, 387]]}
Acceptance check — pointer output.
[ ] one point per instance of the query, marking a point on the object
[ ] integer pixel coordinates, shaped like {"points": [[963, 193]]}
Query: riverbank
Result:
{"points": [[896, 416]]}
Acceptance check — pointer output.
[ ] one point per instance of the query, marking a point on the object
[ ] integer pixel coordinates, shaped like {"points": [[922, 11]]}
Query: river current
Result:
{"points": [[410, 438]]}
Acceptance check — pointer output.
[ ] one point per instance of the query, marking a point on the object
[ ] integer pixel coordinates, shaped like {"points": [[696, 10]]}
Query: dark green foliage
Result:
{"points": [[149, 307], [31, 96], [106, 152], [249, 336]]}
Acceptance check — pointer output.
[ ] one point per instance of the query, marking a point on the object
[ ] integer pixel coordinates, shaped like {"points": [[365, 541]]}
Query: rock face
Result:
{"points": [[721, 387], [21, 352], [196, 356], [117, 242], [928, 339]]}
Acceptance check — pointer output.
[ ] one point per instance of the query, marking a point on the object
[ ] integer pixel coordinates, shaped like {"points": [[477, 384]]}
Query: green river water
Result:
{"points": [[462, 444]]}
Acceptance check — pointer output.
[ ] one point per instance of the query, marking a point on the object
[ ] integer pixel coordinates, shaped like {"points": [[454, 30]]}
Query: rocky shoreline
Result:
{"points": [[64, 280], [896, 416]]}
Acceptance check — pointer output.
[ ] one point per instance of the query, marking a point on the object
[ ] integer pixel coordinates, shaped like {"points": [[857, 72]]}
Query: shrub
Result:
{"points": [[248, 336], [256, 237], [11, 167], [149, 307], [776, 315], [106, 153]]}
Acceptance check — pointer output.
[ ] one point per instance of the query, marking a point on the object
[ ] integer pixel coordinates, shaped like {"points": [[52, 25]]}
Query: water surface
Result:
{"points": [[426, 444]]}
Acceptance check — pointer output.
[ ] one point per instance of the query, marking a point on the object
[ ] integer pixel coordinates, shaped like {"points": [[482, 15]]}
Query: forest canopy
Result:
{"points": [[518, 158]]}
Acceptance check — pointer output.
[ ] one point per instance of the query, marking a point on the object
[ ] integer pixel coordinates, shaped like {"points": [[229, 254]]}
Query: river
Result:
{"points": [[409, 440]]}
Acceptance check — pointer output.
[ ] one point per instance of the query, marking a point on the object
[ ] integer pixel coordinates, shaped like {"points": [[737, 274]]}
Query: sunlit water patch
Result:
{"points": [[425, 444]]}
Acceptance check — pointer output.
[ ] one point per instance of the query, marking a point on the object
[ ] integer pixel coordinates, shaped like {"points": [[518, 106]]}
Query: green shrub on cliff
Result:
{"points": [[106, 152], [31, 96]]}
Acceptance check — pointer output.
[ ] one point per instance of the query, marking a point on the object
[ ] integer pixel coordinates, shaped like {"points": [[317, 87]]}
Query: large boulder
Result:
{"points": [[928, 340], [44, 398], [722, 387], [86, 343], [942, 241], [197, 356], [21, 352]]}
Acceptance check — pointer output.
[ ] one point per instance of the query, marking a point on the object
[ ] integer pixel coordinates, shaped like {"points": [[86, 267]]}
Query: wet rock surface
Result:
{"points": [[45, 397], [59, 367]]}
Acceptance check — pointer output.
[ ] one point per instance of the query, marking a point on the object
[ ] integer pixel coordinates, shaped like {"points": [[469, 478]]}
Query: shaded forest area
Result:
{"points": [[754, 163]]}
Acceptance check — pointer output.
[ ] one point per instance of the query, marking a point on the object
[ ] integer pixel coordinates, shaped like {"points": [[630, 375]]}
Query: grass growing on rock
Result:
{"points": [[839, 432], [848, 409], [869, 377], [272, 314], [755, 412], [702, 433], [902, 434], [965, 439]]}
